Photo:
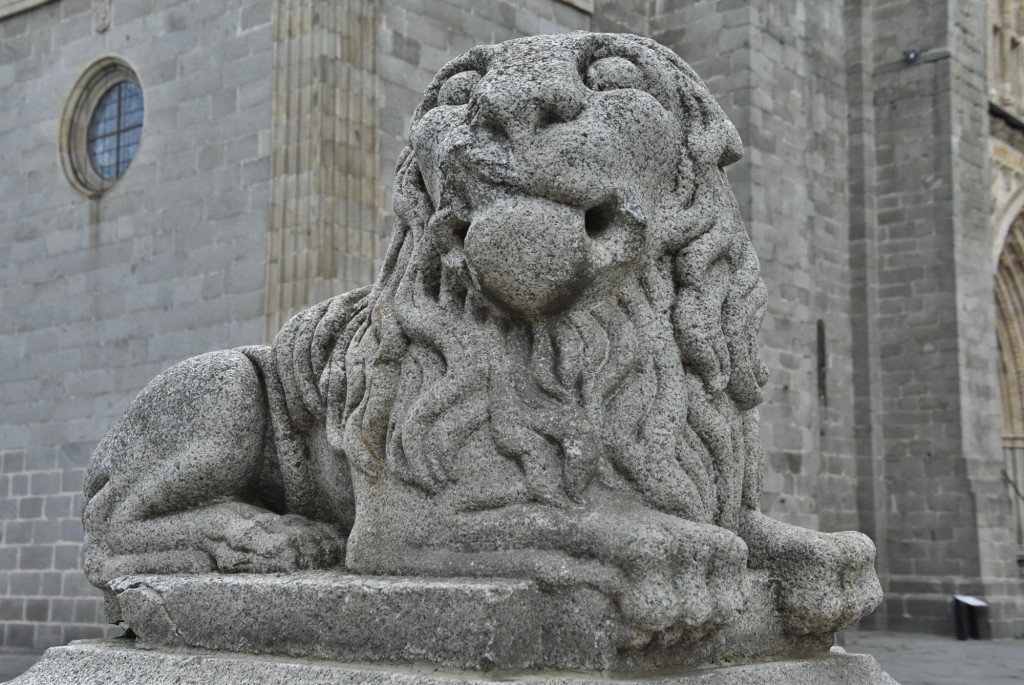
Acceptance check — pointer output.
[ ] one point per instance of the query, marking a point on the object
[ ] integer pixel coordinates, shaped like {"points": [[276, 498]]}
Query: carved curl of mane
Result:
{"points": [[678, 373]]}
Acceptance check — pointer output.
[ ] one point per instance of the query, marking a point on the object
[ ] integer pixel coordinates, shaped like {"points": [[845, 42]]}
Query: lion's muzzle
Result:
{"points": [[536, 256]]}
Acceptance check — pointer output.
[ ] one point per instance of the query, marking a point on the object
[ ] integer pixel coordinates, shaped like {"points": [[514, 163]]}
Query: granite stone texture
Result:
{"points": [[116, 662], [554, 378]]}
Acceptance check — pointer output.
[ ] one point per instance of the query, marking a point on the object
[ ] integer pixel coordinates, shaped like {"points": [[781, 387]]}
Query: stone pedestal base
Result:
{"points": [[118, 662], [333, 628], [455, 623]]}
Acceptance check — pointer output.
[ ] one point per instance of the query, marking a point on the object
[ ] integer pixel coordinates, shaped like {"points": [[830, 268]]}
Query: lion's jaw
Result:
{"points": [[542, 185]]}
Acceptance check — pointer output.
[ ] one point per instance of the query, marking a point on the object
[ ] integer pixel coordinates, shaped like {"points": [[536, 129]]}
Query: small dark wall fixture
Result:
{"points": [[822, 366]]}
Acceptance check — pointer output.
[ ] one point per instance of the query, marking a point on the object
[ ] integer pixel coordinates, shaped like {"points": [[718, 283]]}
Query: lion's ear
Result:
{"points": [[732, 145], [410, 199], [718, 144], [712, 138], [413, 209]]}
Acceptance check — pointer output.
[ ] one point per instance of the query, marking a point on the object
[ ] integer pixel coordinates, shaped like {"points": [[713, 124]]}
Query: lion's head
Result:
{"points": [[564, 293]]}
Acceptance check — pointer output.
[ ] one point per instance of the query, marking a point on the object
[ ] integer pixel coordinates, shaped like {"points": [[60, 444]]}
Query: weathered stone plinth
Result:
{"points": [[119, 662], [481, 624], [322, 628]]}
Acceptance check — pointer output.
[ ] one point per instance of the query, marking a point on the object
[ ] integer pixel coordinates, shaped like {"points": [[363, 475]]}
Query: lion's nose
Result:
{"points": [[510, 106]]}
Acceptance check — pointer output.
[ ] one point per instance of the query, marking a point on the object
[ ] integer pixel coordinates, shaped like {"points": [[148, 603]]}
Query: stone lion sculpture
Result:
{"points": [[555, 376]]}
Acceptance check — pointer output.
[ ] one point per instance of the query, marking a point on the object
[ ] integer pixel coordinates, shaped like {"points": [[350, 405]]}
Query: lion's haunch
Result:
{"points": [[528, 254]]}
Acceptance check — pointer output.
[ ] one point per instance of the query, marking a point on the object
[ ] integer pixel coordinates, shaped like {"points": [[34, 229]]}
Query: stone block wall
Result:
{"points": [[325, 206], [864, 289], [799, 223], [778, 69], [926, 340], [98, 296]]}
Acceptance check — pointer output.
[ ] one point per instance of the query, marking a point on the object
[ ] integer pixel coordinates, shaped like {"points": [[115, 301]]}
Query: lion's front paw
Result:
{"points": [[835, 587], [825, 581], [683, 580], [269, 543]]}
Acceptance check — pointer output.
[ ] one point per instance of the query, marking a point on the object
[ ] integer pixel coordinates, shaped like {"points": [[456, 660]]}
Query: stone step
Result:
{"points": [[119, 662]]}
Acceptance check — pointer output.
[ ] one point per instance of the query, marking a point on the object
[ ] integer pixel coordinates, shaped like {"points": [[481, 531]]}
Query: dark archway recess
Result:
{"points": [[1010, 333]]}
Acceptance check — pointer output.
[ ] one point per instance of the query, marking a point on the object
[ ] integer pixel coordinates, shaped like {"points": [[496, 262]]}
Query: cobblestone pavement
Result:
{"points": [[910, 659], [933, 660]]}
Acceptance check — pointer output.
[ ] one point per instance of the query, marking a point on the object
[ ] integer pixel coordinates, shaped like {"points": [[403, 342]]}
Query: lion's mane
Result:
{"points": [[653, 390]]}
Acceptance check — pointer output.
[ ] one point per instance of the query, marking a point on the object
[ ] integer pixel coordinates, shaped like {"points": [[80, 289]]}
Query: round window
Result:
{"points": [[115, 129], [102, 126]]}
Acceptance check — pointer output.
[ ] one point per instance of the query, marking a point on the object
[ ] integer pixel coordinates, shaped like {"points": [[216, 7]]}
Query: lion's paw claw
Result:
{"points": [[686, 580], [269, 543]]}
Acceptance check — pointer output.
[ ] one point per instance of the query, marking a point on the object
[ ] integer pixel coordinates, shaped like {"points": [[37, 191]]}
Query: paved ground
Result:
{"points": [[931, 660], [15, 664], [910, 659]]}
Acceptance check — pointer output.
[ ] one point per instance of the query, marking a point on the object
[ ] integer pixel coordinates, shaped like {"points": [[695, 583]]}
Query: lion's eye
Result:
{"points": [[457, 89], [611, 73]]}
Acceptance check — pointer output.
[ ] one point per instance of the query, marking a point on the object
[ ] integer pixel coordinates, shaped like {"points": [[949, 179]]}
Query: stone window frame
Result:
{"points": [[79, 106]]}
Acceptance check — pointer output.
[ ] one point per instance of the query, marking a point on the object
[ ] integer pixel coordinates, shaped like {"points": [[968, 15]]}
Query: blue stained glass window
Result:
{"points": [[115, 130]]}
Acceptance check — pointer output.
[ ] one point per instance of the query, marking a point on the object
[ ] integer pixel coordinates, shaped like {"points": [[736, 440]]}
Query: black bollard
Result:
{"points": [[965, 616]]}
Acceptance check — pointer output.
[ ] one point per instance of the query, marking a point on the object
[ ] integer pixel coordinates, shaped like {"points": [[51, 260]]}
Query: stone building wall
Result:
{"points": [[930, 336], [98, 296]]}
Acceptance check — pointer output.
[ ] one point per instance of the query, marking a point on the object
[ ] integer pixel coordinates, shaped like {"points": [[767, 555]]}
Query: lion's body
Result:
{"points": [[554, 377]]}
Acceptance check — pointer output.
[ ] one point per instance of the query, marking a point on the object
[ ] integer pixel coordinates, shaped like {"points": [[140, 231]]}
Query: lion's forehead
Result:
{"points": [[532, 54], [544, 47], [561, 46]]}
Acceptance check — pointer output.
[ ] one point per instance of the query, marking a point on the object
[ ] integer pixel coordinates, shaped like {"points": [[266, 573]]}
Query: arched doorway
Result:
{"points": [[1010, 334]]}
